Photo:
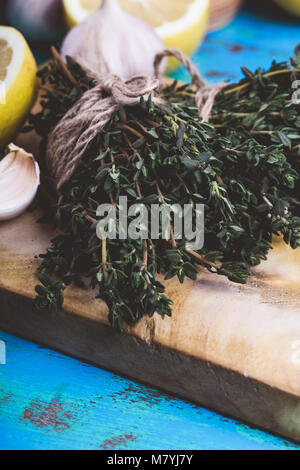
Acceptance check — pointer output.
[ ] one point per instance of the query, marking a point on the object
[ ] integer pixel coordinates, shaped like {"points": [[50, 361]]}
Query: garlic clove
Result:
{"points": [[19, 182], [111, 41]]}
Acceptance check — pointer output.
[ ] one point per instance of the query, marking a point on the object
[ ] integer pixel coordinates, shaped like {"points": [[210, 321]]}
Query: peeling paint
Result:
{"points": [[48, 415], [4, 397], [117, 441], [136, 394]]}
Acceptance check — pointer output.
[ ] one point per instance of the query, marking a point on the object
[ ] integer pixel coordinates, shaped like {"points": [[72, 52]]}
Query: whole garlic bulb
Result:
{"points": [[19, 182], [111, 41], [37, 20]]}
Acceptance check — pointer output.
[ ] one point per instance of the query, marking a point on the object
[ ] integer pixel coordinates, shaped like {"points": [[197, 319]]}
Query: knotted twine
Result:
{"points": [[72, 136]]}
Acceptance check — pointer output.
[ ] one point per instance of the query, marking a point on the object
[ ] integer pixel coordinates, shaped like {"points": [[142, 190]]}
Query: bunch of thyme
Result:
{"points": [[168, 156]]}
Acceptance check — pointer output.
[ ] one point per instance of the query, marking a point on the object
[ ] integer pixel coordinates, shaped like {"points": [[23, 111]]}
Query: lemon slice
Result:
{"points": [[181, 23], [78, 10], [17, 82]]}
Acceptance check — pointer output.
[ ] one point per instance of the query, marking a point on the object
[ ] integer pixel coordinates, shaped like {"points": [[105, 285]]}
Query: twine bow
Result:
{"points": [[72, 136]]}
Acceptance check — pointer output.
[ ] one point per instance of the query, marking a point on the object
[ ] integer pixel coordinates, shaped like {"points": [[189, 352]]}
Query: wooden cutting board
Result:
{"points": [[232, 348]]}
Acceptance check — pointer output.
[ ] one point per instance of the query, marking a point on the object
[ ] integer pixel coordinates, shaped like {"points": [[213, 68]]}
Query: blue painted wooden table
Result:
{"points": [[50, 401]]}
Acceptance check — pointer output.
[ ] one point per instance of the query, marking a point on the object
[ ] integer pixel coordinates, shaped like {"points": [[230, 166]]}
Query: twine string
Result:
{"points": [[72, 136]]}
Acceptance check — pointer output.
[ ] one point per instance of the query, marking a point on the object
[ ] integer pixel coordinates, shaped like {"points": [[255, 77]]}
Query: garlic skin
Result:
{"points": [[112, 42], [38, 20], [19, 182]]}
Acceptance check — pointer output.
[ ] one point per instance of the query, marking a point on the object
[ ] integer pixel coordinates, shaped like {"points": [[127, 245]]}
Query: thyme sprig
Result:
{"points": [[241, 174]]}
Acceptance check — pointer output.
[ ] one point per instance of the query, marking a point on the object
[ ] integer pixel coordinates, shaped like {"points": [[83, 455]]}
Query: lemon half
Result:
{"points": [[18, 83], [181, 23]]}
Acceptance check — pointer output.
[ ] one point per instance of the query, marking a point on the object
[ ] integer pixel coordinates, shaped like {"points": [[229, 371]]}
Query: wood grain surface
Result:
{"points": [[229, 347]]}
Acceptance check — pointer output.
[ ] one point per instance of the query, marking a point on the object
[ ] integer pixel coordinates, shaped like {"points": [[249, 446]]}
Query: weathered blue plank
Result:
{"points": [[252, 40], [50, 401]]}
